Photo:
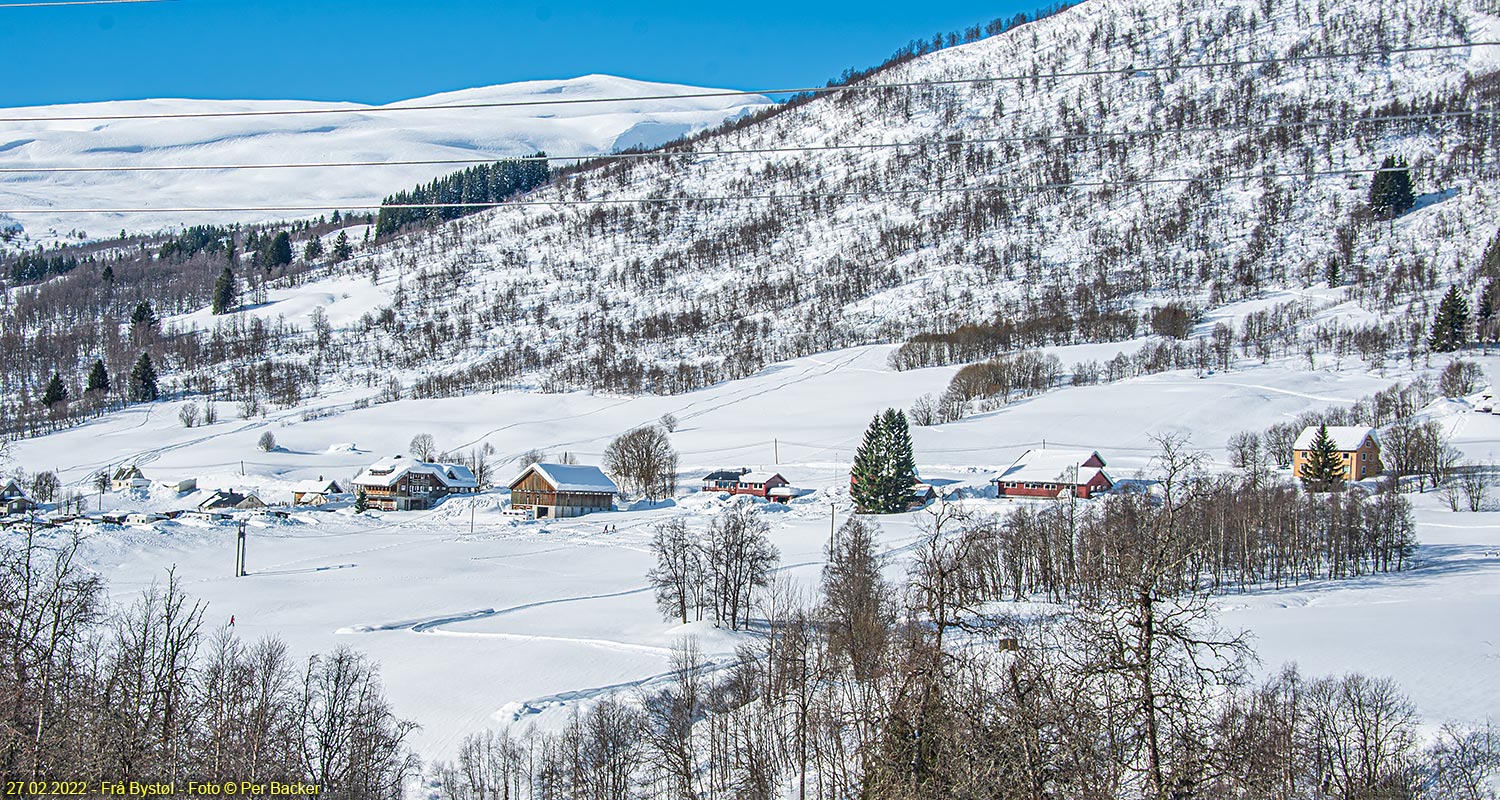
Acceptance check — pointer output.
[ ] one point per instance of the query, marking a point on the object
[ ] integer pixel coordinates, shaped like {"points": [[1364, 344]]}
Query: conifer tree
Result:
{"points": [[884, 466], [108, 276], [1390, 188], [56, 392], [1450, 328], [98, 377], [143, 380], [279, 253], [361, 501], [314, 249], [341, 248], [143, 315], [225, 293], [1323, 471], [869, 460]]}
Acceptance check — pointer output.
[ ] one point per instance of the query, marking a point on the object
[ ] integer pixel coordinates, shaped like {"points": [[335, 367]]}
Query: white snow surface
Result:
{"points": [[361, 134], [512, 621]]}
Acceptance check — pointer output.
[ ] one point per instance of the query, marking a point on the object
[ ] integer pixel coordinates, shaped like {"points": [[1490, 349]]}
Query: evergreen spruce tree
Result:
{"points": [[314, 249], [108, 276], [98, 377], [361, 502], [279, 251], [1450, 328], [143, 315], [56, 392], [1390, 188], [869, 463], [903, 472], [225, 293], [1323, 471], [341, 248], [884, 468], [1489, 264], [143, 381]]}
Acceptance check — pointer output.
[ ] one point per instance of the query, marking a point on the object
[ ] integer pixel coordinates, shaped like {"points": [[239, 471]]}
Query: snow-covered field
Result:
{"points": [[358, 133], [481, 620]]}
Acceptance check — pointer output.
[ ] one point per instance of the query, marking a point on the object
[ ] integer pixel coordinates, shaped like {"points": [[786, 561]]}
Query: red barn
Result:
{"points": [[1053, 473]]}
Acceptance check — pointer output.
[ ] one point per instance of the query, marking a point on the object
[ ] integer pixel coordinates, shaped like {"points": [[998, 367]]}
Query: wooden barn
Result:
{"points": [[399, 483], [1054, 473], [548, 491]]}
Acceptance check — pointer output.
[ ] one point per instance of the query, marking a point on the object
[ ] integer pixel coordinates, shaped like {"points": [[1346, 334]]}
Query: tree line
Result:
{"points": [[157, 692], [930, 685], [486, 183]]}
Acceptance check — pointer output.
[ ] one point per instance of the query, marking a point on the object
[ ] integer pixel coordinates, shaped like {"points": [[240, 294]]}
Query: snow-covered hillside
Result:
{"points": [[526, 621], [364, 133], [961, 204]]}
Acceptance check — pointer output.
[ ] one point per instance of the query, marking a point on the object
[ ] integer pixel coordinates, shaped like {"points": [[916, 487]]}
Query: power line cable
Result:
{"points": [[653, 154], [812, 90], [1024, 187], [63, 3]]}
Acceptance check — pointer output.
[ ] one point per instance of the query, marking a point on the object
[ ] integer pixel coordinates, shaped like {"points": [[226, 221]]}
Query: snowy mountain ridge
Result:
{"points": [[364, 133]]}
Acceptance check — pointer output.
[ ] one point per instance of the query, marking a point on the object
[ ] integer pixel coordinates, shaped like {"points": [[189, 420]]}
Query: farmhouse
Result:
{"points": [[315, 493], [182, 486], [562, 490], [1359, 451], [13, 499], [221, 500], [128, 477], [760, 484], [723, 480], [399, 483], [1053, 473]]}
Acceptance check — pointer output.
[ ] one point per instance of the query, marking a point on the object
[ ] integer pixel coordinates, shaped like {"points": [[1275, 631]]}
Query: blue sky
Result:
{"points": [[380, 50]]}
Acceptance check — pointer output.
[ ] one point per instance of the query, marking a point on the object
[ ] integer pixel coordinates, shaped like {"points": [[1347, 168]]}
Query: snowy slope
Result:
{"points": [[519, 621], [1040, 225], [358, 135]]}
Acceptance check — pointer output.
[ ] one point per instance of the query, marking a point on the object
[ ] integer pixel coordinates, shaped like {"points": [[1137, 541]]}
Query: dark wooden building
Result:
{"points": [[546, 491]]}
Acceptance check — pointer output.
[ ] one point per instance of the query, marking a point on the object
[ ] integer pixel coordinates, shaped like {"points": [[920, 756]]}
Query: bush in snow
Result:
{"points": [[267, 441]]}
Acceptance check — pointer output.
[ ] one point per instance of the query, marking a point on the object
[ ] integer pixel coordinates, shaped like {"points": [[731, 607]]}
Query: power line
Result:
{"points": [[1022, 187], [812, 90], [61, 3], [937, 143]]}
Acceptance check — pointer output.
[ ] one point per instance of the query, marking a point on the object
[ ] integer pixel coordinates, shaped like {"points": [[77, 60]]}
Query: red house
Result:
{"points": [[1054, 473], [759, 484]]}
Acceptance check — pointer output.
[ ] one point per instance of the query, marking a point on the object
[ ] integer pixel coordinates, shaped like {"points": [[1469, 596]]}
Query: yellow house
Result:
{"points": [[1358, 450]]}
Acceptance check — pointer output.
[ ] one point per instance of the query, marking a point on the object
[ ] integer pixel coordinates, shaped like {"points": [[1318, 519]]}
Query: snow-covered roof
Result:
{"points": [[571, 477], [387, 471], [1345, 437], [725, 475], [11, 490], [759, 477], [1053, 466], [317, 487]]}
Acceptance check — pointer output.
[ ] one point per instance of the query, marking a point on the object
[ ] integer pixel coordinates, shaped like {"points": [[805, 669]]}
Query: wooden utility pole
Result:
{"points": [[776, 451], [239, 552]]}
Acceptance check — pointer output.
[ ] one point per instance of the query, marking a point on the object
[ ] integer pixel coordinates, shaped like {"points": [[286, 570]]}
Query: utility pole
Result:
{"points": [[776, 451], [239, 552], [830, 529], [471, 520]]}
